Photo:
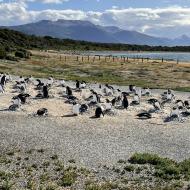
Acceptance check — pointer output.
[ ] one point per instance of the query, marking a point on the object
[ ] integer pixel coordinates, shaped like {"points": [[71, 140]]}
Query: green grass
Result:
{"points": [[100, 186], [68, 179], [153, 75], [164, 168], [183, 89], [142, 171]]}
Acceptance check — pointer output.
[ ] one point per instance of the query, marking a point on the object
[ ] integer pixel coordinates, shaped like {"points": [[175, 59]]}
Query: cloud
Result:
{"points": [[50, 1], [169, 22]]}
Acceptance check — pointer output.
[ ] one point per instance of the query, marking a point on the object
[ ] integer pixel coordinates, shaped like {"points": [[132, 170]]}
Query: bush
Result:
{"points": [[68, 179], [11, 58], [22, 53], [164, 168], [19, 54], [2, 53], [152, 159]]}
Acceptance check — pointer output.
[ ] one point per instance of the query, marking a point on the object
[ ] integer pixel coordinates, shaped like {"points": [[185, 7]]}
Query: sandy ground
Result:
{"points": [[91, 141]]}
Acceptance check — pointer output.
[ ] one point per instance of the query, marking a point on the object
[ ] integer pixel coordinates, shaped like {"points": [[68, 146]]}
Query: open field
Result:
{"points": [[59, 152], [153, 73]]}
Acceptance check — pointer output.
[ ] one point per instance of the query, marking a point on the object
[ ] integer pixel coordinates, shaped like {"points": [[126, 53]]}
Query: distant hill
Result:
{"points": [[11, 40], [64, 29], [86, 31]]}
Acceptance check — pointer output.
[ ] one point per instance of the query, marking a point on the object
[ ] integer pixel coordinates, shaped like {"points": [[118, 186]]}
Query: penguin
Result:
{"points": [[84, 108], [83, 85], [3, 80], [42, 112], [113, 101], [16, 104], [40, 84], [99, 112], [45, 92], [132, 88], [50, 81], [175, 113], [152, 101], [186, 103], [136, 100], [157, 105], [77, 84], [125, 102], [22, 97], [2, 89], [69, 91], [62, 83], [144, 115], [179, 103], [146, 92], [76, 109]]}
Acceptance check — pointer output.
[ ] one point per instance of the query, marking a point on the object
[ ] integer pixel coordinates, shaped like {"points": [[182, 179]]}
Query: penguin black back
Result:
{"points": [[45, 92], [99, 112], [125, 102]]}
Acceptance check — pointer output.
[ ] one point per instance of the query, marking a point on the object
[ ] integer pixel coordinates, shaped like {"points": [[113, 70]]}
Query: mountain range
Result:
{"points": [[87, 31]]}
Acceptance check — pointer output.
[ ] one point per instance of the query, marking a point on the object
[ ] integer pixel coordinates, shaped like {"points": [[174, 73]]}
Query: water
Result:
{"points": [[174, 56]]}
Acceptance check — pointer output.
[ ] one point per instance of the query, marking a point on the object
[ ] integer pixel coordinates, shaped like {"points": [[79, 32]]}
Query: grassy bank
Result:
{"points": [[153, 74]]}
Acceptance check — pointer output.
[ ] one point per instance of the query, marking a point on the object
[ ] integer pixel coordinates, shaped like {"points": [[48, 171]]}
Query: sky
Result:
{"points": [[162, 18]]}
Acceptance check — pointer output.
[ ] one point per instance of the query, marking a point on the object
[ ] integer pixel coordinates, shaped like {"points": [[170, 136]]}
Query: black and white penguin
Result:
{"points": [[22, 97], [3, 80], [69, 91], [132, 88], [99, 112], [84, 108], [144, 115], [83, 84], [77, 84], [125, 102], [45, 92], [1, 89], [76, 108], [40, 84], [136, 100], [186, 103], [42, 112]]}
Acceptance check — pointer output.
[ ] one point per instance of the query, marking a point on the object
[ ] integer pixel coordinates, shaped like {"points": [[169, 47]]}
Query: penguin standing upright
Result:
{"points": [[99, 112], [3, 80], [125, 102], [77, 84], [76, 109], [69, 91], [45, 92]]}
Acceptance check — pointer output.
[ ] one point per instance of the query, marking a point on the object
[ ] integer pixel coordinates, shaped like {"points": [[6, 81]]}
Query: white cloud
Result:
{"points": [[169, 21]]}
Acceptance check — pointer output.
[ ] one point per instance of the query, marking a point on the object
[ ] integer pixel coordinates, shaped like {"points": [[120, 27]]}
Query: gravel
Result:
{"points": [[92, 142]]}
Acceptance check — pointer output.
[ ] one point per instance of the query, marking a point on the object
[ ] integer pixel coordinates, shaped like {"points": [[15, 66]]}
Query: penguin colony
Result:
{"points": [[104, 99]]}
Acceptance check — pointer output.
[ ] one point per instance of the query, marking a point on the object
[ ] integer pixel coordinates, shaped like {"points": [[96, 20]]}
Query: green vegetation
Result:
{"points": [[102, 186], [15, 46], [22, 53], [141, 171], [164, 168], [3, 53], [12, 40], [154, 75], [68, 179]]}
